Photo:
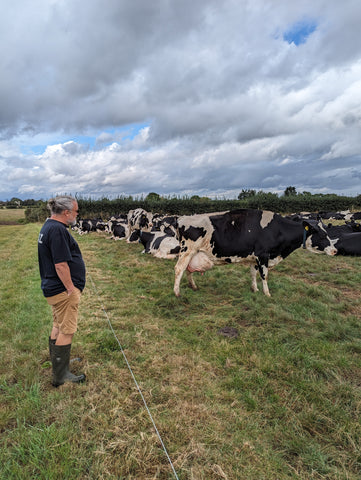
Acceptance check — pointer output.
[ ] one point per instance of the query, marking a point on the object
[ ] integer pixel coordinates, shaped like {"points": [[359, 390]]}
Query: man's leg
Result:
{"points": [[64, 339], [65, 311], [54, 333]]}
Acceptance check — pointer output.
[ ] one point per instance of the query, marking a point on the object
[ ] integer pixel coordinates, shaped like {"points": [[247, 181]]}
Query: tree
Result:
{"points": [[152, 196], [290, 191], [246, 194]]}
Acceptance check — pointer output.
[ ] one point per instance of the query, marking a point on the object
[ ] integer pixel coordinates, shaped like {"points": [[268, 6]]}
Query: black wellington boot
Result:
{"points": [[60, 361], [51, 345]]}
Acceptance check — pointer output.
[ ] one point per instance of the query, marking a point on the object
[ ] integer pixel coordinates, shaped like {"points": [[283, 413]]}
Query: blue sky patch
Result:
{"points": [[127, 132], [299, 32]]}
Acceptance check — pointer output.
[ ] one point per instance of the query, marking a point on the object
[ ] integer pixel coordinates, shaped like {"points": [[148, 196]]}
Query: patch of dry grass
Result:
{"points": [[11, 216]]}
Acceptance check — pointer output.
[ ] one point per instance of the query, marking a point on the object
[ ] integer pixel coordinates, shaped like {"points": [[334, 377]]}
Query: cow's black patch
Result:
{"points": [[192, 233], [158, 241], [235, 233], [119, 230]]}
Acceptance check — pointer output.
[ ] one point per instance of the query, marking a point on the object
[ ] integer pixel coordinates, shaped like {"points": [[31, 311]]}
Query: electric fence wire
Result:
{"points": [[134, 379]]}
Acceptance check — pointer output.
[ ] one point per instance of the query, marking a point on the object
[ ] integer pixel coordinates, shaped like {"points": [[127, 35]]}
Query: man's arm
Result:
{"points": [[63, 272]]}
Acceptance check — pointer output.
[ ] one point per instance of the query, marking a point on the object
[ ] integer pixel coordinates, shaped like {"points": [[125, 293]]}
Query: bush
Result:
{"points": [[105, 208]]}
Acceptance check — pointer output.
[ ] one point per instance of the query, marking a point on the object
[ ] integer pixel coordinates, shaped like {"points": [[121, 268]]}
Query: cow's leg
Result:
{"points": [[191, 281], [179, 269], [263, 270], [254, 286]]}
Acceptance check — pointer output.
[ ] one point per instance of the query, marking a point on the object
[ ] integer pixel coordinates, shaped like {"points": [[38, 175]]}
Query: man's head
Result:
{"points": [[64, 206]]}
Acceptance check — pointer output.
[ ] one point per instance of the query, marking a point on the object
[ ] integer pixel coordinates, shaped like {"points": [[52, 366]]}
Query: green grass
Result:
{"points": [[280, 400]]}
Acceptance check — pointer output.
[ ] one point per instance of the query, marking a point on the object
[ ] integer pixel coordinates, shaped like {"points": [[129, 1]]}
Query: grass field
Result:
{"points": [[240, 386], [12, 216]]}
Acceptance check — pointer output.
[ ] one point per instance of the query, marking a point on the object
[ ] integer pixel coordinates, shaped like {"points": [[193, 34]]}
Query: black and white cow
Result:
{"points": [[259, 238], [347, 238], [349, 244], [356, 216], [118, 227], [88, 225], [139, 219], [167, 223], [160, 244]]}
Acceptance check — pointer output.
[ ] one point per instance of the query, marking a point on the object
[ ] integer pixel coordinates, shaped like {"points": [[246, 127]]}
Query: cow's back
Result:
{"points": [[236, 233]]}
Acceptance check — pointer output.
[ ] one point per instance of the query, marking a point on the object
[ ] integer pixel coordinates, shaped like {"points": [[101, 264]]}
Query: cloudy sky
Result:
{"points": [[104, 98]]}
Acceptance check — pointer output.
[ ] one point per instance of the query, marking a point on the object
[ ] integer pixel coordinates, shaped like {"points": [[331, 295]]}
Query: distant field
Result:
{"points": [[10, 215], [240, 386]]}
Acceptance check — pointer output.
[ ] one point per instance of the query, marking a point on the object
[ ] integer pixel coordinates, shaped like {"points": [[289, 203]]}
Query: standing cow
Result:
{"points": [[259, 238]]}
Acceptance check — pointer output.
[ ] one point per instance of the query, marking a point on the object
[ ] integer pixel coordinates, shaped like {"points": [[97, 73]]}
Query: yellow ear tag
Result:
{"points": [[306, 227]]}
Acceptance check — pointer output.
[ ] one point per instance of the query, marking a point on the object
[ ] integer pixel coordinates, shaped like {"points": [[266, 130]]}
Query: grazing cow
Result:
{"points": [[160, 244], [261, 239]]}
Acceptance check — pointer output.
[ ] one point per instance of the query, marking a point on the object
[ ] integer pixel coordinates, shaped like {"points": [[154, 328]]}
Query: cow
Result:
{"points": [[259, 238], [118, 227], [160, 244], [119, 231], [349, 244], [139, 219], [167, 223], [88, 225], [346, 238], [332, 215]]}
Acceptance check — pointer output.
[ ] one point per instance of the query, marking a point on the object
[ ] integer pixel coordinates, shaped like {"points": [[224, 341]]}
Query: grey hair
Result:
{"points": [[58, 204]]}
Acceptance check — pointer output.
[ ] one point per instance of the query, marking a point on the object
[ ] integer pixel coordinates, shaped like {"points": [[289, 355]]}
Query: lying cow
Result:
{"points": [[261, 239], [88, 225], [118, 227], [160, 244], [346, 239]]}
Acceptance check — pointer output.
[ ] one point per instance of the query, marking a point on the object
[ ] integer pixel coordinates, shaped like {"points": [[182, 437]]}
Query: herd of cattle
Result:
{"points": [[258, 238]]}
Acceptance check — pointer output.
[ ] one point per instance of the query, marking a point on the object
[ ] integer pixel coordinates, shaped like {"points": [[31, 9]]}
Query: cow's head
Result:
{"points": [[316, 239]]}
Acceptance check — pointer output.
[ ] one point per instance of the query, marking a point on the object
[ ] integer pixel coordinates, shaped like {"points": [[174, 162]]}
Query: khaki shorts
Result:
{"points": [[65, 311]]}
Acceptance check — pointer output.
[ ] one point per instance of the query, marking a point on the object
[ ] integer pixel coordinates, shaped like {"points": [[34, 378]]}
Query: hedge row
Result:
{"points": [[105, 208]]}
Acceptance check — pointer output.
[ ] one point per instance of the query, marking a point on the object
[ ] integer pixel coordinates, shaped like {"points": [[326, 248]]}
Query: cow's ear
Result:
{"points": [[307, 225], [310, 226]]}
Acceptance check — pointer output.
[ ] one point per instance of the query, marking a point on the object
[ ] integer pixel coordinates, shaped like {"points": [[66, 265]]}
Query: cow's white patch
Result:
{"points": [[267, 218]]}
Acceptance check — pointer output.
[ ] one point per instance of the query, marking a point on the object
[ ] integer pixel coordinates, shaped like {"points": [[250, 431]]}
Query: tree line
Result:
{"points": [[289, 202]]}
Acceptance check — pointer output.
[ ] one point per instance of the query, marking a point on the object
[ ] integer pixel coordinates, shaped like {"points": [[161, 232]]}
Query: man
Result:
{"points": [[62, 273]]}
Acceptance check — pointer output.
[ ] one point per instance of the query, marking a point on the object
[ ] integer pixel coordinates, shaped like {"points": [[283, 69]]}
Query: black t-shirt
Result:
{"points": [[56, 245]]}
